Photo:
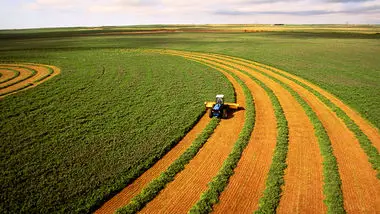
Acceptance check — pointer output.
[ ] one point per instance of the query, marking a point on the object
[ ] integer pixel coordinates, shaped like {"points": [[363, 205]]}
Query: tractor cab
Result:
{"points": [[220, 99], [219, 108]]}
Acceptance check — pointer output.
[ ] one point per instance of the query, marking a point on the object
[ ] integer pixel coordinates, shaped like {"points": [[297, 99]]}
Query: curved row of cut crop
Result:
{"points": [[352, 160], [338, 133], [26, 75], [270, 199], [6, 77], [220, 181], [366, 134], [338, 138], [280, 154]]}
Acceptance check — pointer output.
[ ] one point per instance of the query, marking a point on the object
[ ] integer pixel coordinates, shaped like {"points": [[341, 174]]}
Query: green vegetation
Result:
{"points": [[159, 183], [220, 181], [16, 74], [74, 141]]}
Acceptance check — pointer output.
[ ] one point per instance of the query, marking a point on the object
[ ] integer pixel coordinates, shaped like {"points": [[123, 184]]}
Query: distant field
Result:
{"points": [[74, 141]]}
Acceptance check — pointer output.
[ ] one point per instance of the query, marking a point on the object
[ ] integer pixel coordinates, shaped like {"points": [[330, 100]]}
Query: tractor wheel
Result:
{"points": [[225, 113], [210, 113]]}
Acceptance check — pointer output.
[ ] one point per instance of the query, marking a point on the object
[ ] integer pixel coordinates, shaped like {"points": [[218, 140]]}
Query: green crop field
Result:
{"points": [[76, 140]]}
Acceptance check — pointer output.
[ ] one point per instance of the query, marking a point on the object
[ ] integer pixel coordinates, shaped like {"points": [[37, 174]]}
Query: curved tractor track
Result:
{"points": [[304, 189], [18, 77]]}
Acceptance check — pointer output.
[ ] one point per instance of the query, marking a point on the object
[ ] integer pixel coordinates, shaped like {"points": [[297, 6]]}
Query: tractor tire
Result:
{"points": [[210, 113], [225, 114]]}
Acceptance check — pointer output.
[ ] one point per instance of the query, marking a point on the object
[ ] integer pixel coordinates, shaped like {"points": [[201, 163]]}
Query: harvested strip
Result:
{"points": [[124, 197], [248, 183], [358, 194], [25, 74], [252, 169], [303, 176], [332, 182], [8, 74], [220, 181], [332, 190], [30, 76], [370, 148], [155, 186], [362, 128], [50, 72], [184, 191]]}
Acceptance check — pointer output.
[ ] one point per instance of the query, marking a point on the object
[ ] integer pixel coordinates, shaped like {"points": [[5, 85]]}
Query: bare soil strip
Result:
{"points": [[303, 189], [360, 195], [184, 191], [26, 79], [124, 197]]}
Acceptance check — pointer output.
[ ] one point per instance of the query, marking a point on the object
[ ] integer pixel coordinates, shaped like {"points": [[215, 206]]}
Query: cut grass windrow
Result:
{"points": [[365, 143], [156, 185], [332, 182], [33, 72], [16, 74], [220, 181]]}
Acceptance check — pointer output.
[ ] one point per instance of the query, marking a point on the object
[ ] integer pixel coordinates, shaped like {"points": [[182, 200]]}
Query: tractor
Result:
{"points": [[219, 108]]}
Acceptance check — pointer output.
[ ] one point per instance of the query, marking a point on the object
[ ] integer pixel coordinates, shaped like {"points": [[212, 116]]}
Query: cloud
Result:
{"points": [[360, 10], [42, 13]]}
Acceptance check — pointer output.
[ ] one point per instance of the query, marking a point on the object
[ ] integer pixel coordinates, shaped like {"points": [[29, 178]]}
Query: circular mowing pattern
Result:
{"points": [[17, 77]]}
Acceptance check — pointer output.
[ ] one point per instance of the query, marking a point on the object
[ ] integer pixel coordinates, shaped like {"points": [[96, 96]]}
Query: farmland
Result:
{"points": [[126, 110]]}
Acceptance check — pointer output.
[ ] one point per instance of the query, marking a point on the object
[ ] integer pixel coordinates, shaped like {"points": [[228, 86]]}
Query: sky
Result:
{"points": [[15, 14]]}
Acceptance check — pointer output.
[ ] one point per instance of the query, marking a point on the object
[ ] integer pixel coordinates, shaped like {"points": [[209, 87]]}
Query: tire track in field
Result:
{"points": [[30, 76], [184, 191], [304, 172], [124, 197], [359, 182]]}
